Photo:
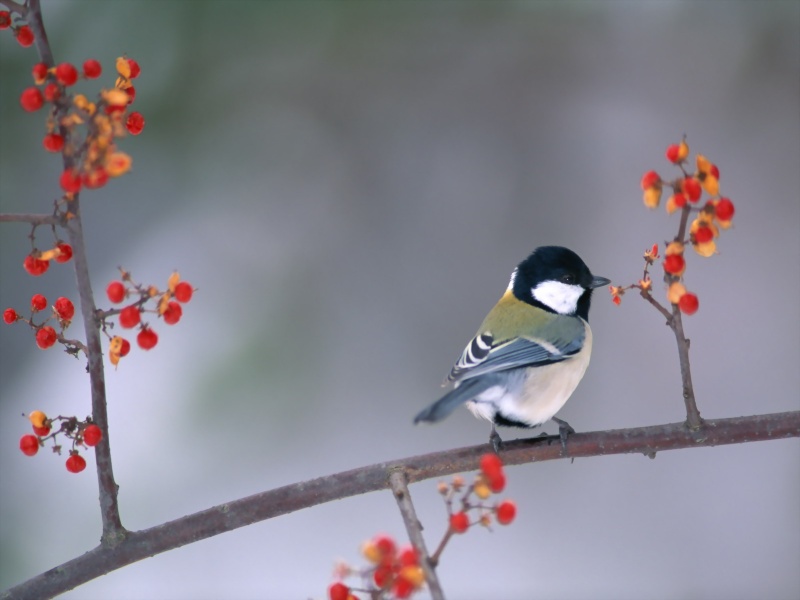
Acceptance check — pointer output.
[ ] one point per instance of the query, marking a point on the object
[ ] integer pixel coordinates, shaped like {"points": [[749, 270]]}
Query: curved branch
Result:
{"points": [[266, 505]]}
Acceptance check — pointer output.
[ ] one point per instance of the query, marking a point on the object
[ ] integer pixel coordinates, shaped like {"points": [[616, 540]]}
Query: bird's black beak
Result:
{"points": [[599, 282]]}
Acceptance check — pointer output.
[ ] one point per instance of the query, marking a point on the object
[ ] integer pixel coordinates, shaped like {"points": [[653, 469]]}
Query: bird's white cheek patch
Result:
{"points": [[561, 297]]}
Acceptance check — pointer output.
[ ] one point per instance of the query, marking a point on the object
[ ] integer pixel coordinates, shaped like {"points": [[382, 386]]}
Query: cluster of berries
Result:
{"points": [[712, 216], [393, 572], [82, 433], [167, 306], [82, 130], [397, 574], [490, 480]]}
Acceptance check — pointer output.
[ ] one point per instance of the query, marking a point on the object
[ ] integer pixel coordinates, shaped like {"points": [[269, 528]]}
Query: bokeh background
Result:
{"points": [[349, 185]]}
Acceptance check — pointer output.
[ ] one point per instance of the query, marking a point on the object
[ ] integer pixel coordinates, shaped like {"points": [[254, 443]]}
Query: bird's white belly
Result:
{"points": [[539, 394]]}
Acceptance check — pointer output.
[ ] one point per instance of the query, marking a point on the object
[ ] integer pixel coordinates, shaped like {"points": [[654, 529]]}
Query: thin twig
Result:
{"points": [[266, 505], [399, 486], [33, 219]]}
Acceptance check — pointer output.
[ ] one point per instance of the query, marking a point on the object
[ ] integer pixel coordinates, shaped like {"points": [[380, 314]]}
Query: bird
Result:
{"points": [[531, 350]]}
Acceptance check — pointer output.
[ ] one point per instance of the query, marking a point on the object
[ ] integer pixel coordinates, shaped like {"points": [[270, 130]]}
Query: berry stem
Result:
{"points": [[399, 485]]}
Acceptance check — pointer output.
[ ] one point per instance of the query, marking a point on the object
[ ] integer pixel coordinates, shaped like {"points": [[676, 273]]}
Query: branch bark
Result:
{"points": [[266, 505]]}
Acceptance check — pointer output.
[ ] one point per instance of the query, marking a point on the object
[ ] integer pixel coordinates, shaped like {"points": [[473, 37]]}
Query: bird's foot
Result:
{"points": [[564, 431], [495, 441]]}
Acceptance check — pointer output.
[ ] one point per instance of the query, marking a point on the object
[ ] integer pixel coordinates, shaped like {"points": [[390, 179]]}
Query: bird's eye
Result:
{"points": [[568, 278]]}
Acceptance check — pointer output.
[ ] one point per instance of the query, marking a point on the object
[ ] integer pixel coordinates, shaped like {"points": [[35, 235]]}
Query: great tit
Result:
{"points": [[531, 350]]}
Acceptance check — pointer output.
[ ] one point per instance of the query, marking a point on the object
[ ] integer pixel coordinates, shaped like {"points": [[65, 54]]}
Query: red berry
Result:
{"points": [[70, 181], [183, 292], [39, 73], [31, 99], [147, 339], [135, 70], [76, 463], [674, 153], [38, 302], [402, 588], [385, 545], [66, 252], [35, 266], [96, 178], [497, 483], [135, 123], [689, 303], [10, 316], [53, 142], [714, 170], [66, 73], [129, 317], [92, 435], [24, 36], [408, 557], [674, 264], [459, 522], [116, 292], [703, 235], [131, 91], [64, 308], [29, 444], [5, 19], [491, 464], [338, 591], [650, 179], [506, 511], [46, 337], [52, 92], [41, 431], [724, 209], [125, 348], [92, 69], [691, 187], [383, 575], [680, 200], [173, 313]]}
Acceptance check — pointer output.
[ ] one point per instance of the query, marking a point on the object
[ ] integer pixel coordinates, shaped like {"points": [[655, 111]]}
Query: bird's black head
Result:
{"points": [[557, 280]]}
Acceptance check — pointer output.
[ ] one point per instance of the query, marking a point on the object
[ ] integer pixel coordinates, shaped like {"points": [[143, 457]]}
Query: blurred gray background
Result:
{"points": [[349, 185]]}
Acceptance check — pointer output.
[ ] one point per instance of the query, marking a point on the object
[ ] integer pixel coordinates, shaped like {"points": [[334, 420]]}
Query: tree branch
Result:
{"points": [[33, 219], [266, 505], [399, 486]]}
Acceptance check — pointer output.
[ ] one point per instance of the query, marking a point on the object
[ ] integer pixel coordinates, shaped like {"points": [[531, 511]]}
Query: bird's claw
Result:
{"points": [[495, 440], [564, 431]]}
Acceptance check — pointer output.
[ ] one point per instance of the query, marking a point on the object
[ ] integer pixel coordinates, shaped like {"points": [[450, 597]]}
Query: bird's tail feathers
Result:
{"points": [[467, 390]]}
